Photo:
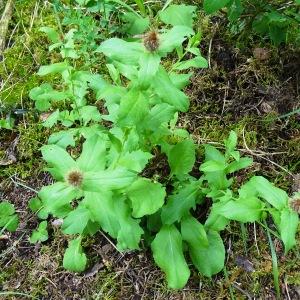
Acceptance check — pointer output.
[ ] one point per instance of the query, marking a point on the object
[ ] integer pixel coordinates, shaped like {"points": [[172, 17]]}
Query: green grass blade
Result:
{"points": [[275, 270], [167, 4], [141, 6]]}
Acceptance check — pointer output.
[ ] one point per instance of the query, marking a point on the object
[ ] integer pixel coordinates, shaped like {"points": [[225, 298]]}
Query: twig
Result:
{"points": [[4, 23]]}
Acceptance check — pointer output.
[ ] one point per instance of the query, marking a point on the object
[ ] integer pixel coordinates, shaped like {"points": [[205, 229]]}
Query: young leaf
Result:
{"points": [[179, 204], [130, 232], [135, 160], [209, 260], [146, 197], [178, 15], [240, 164], [102, 210], [182, 157], [52, 34], [133, 108], [55, 197], [130, 54], [243, 210], [149, 63], [41, 234], [59, 159], [193, 232], [8, 218], [76, 221], [74, 259], [93, 155], [54, 68], [212, 166], [107, 179], [211, 6], [135, 24], [35, 204], [197, 62], [173, 38], [168, 92], [168, 255], [289, 221], [275, 196]]}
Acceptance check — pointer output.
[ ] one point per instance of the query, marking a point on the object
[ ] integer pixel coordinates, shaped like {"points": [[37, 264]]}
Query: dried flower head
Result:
{"points": [[75, 178], [295, 205], [151, 41]]}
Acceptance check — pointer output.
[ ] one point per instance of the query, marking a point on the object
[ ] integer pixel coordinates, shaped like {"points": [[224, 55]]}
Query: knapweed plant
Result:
{"points": [[101, 184]]}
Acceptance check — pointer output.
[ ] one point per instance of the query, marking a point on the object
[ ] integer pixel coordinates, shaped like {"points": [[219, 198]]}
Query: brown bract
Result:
{"points": [[151, 41], [75, 178]]}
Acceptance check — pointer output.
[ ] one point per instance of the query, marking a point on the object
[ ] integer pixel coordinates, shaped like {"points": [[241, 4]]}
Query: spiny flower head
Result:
{"points": [[151, 41], [75, 178]]}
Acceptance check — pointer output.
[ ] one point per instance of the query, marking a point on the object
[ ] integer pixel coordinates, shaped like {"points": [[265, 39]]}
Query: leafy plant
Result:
{"points": [[8, 218], [266, 18], [100, 184]]}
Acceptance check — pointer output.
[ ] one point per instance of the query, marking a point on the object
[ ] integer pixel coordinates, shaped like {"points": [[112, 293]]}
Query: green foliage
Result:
{"points": [[8, 218], [41, 234], [279, 22], [100, 184]]}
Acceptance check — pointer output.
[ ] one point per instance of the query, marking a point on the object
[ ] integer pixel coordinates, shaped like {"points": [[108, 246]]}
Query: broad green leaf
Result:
{"points": [[44, 94], [93, 156], [122, 51], [215, 221], [8, 218], [178, 15], [133, 108], [242, 163], [182, 157], [89, 113], [173, 38], [211, 153], [146, 197], [76, 221], [149, 63], [289, 221], [158, 115], [107, 180], [243, 210], [275, 196], [52, 34], [74, 259], [62, 139], [197, 62], [41, 234], [180, 80], [179, 204], [135, 160], [193, 232], [168, 255], [212, 166], [101, 207], [55, 197], [130, 231], [35, 204], [168, 92], [211, 6], [54, 68], [135, 24], [209, 260], [58, 159]]}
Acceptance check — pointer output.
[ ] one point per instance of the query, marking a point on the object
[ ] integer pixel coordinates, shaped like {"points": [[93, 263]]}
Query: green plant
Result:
{"points": [[8, 218], [279, 21], [103, 187]]}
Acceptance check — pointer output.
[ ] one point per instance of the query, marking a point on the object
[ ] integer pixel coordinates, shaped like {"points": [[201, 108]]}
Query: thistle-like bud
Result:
{"points": [[75, 178], [151, 41]]}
